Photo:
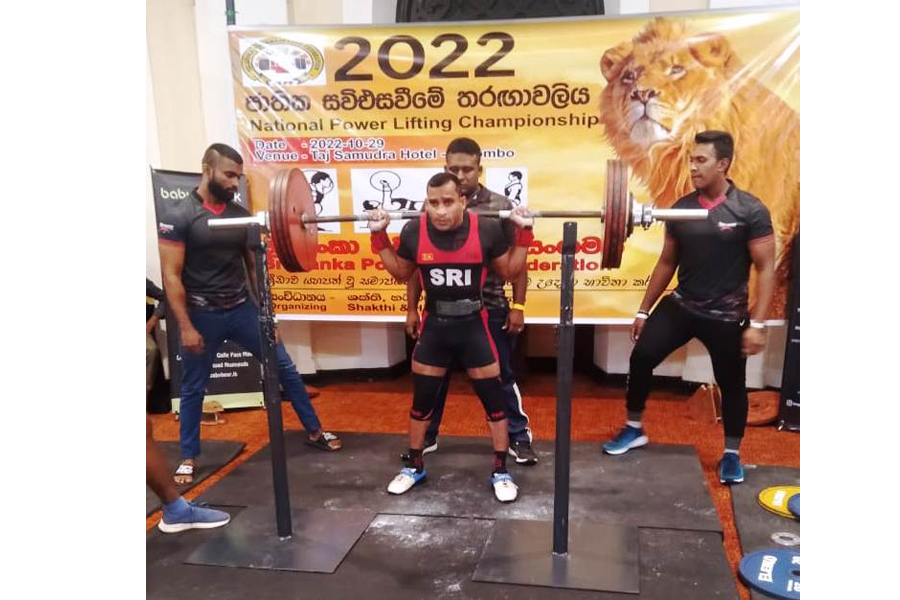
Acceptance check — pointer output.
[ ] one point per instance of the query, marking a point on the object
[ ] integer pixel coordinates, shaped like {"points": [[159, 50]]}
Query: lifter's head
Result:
{"points": [[445, 204], [222, 169]]}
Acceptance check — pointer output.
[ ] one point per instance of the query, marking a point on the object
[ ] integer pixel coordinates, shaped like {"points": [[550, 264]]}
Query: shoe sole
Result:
{"points": [[522, 461], [637, 443], [730, 481], [176, 527]]}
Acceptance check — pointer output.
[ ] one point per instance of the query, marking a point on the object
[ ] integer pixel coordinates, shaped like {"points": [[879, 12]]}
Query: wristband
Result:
{"points": [[757, 324], [642, 315], [524, 237], [380, 241], [517, 306]]}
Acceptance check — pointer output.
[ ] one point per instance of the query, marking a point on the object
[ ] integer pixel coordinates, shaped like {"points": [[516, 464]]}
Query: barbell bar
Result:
{"points": [[292, 211]]}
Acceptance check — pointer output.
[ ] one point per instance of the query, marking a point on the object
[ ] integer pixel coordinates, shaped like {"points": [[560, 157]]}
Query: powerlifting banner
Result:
{"points": [[366, 113]]}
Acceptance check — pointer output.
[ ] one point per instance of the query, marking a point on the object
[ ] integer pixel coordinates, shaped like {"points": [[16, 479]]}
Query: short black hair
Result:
{"points": [[721, 141], [319, 176], [464, 145], [439, 179], [516, 174], [212, 154]]}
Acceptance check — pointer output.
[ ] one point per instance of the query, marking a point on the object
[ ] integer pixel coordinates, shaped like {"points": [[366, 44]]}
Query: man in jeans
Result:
{"points": [[206, 280], [505, 321]]}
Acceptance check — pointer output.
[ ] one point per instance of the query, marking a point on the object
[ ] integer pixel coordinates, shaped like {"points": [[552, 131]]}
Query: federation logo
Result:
{"points": [[280, 62]]}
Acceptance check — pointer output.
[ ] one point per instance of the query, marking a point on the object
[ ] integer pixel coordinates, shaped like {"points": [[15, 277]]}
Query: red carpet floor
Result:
{"points": [[597, 414]]}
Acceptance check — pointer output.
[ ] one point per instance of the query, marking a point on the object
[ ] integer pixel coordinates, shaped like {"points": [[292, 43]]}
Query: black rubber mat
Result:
{"points": [[412, 557], [216, 454], [755, 525], [656, 486]]}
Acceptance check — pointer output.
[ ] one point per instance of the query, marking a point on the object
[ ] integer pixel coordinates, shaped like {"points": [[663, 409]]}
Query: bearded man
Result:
{"points": [[206, 279]]}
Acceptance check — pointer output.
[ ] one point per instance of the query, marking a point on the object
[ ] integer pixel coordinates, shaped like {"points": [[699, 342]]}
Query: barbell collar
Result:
{"points": [[261, 218], [676, 214]]}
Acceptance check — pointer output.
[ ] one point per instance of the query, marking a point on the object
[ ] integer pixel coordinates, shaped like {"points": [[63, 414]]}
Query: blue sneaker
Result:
{"points": [[188, 515], [628, 438], [730, 469], [405, 480]]}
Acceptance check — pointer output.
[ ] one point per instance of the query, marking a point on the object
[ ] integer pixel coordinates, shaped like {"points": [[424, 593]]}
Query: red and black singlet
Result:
{"points": [[449, 275]]}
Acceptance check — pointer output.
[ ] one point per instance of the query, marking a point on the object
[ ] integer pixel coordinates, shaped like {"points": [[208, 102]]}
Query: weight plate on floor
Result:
{"points": [[774, 572], [775, 499], [794, 505], [785, 538]]}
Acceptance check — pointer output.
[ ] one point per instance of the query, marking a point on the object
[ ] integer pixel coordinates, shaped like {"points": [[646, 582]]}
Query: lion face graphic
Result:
{"points": [[665, 86]]}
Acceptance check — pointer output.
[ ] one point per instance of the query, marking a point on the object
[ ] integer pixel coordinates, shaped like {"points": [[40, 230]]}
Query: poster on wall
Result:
{"points": [[236, 377], [548, 101]]}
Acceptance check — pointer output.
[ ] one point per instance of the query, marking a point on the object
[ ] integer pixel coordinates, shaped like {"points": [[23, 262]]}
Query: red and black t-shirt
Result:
{"points": [[452, 264], [714, 255], [214, 274]]}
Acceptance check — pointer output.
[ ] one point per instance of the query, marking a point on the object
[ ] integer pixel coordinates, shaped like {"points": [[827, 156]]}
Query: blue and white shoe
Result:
{"points": [[405, 480], [504, 488], [188, 515], [730, 469], [630, 437]]}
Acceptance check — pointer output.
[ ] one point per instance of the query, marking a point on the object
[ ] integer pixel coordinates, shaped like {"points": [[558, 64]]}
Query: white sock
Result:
{"points": [[635, 424], [733, 452]]}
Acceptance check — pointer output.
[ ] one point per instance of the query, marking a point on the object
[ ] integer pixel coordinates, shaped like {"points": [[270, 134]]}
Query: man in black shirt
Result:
{"points": [[206, 280], [713, 259], [452, 249]]}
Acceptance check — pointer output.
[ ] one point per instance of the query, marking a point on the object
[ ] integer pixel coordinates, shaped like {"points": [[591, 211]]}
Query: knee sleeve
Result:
{"points": [[490, 392], [425, 390]]}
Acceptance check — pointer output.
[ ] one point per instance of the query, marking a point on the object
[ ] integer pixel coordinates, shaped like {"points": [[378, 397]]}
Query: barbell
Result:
{"points": [[292, 209]]}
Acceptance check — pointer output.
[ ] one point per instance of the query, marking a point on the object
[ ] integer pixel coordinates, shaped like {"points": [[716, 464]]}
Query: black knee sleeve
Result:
{"points": [[490, 392], [425, 390]]}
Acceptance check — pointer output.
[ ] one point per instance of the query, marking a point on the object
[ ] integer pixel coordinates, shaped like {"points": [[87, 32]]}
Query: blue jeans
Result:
{"points": [[515, 413], [241, 325]]}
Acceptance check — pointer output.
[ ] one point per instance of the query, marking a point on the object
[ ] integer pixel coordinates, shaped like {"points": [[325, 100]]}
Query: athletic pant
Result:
{"points": [[670, 327], [515, 413]]}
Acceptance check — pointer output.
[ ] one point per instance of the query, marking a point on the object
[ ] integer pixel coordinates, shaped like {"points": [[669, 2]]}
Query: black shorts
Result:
{"points": [[466, 341]]}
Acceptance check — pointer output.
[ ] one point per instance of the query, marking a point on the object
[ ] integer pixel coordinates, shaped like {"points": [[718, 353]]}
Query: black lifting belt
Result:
{"points": [[456, 308]]}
